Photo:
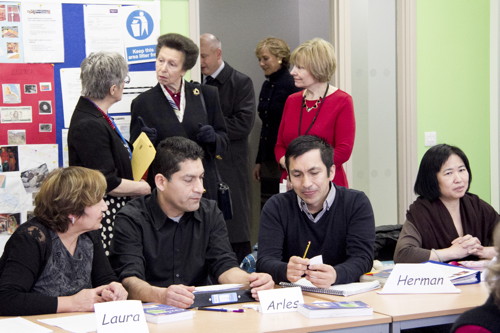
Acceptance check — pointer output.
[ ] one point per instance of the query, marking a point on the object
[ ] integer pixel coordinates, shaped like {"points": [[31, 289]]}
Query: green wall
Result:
{"points": [[453, 80], [175, 16]]}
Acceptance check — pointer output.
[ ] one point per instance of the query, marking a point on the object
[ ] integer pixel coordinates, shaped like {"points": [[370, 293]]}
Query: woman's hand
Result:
{"points": [[256, 172], [82, 301], [114, 292]]}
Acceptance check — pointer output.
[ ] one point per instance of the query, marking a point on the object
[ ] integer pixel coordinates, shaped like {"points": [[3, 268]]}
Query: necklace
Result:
{"points": [[318, 105], [318, 101]]}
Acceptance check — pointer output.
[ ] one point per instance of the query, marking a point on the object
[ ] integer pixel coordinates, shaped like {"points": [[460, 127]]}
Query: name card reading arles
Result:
{"points": [[120, 317], [417, 279], [280, 300]]}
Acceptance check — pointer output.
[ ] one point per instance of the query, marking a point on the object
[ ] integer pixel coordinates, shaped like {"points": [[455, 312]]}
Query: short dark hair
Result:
{"points": [[305, 143], [426, 184], [180, 43], [170, 152]]}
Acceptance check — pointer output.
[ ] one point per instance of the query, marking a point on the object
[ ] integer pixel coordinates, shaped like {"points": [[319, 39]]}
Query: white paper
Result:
{"points": [[43, 32], [20, 325], [65, 150], [103, 28], [140, 81], [123, 124], [72, 89], [219, 287], [77, 324], [318, 260], [416, 279]]}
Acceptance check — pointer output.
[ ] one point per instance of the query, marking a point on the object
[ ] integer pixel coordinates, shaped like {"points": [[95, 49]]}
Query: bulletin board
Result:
{"points": [[36, 142], [74, 53]]}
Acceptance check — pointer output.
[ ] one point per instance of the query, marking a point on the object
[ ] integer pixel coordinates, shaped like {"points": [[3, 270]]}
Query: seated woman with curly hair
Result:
{"points": [[55, 262]]}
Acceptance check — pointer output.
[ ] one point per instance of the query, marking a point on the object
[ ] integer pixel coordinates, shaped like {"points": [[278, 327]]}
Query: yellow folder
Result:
{"points": [[142, 156]]}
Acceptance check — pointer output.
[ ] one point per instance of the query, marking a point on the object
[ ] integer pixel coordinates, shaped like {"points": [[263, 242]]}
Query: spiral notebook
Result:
{"points": [[338, 290]]}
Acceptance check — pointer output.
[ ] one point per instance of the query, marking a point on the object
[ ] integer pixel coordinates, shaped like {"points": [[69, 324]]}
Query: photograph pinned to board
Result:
{"points": [[32, 179], [15, 114], [45, 86], [10, 32], [11, 93], [16, 137], [9, 223], [9, 157], [45, 127], [30, 89], [45, 107]]}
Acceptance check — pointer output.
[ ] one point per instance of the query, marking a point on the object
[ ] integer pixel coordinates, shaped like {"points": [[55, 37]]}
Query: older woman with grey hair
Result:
{"points": [[94, 140]]}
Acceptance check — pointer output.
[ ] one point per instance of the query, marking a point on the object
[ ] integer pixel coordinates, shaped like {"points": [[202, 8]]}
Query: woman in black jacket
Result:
{"points": [[94, 140], [274, 59], [55, 262]]}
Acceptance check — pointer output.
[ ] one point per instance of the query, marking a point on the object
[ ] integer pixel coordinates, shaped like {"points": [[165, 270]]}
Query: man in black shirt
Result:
{"points": [[167, 242]]}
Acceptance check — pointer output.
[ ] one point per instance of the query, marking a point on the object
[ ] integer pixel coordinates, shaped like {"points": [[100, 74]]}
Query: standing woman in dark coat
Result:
{"points": [[274, 59], [94, 140], [175, 107]]}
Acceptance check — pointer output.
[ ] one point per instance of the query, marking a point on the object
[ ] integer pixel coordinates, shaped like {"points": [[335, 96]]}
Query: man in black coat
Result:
{"points": [[237, 100]]}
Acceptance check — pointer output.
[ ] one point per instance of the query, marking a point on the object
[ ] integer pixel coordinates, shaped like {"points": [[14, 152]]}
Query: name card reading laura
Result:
{"points": [[417, 279], [120, 316]]}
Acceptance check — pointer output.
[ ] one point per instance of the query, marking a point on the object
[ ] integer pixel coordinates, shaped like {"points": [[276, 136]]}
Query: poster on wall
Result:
{"points": [[23, 168], [27, 104], [102, 28], [129, 30], [11, 44], [43, 32], [142, 27]]}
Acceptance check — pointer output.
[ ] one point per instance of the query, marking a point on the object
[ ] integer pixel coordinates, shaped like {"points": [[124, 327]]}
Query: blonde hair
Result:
{"points": [[493, 277], [277, 47], [68, 191], [318, 57]]}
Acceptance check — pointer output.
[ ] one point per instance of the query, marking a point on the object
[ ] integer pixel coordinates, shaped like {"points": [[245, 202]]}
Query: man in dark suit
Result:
{"points": [[237, 100]]}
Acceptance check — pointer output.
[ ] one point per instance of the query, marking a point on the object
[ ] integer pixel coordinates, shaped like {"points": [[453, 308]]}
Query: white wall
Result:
{"points": [[374, 160]]}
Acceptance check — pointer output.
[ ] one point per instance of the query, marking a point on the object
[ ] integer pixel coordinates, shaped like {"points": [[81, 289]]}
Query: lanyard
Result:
{"points": [[111, 123], [304, 106], [125, 143]]}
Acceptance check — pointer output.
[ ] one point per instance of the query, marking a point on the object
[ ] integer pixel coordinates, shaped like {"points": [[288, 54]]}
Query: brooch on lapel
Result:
{"points": [[196, 92]]}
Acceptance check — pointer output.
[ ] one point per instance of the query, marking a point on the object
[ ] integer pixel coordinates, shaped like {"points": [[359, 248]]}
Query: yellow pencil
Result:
{"points": [[307, 249]]}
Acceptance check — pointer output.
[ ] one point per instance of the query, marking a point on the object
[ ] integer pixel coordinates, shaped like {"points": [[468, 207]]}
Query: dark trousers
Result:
{"points": [[241, 250]]}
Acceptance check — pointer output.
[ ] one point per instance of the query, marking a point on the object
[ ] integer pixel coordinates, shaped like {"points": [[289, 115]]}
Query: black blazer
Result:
{"points": [[93, 144], [153, 107]]}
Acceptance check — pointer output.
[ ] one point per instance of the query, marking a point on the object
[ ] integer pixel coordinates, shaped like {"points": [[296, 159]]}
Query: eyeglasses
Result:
{"points": [[126, 80]]}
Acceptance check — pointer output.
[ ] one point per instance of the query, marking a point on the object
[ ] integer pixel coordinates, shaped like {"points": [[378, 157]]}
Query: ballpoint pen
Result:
{"points": [[222, 310]]}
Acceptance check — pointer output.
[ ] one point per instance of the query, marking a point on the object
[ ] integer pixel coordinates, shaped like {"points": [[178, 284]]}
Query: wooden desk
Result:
{"points": [[420, 310], [252, 321]]}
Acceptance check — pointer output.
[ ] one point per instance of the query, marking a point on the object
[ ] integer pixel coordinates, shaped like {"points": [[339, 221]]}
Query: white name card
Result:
{"points": [[280, 300], [415, 279], [120, 316]]}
